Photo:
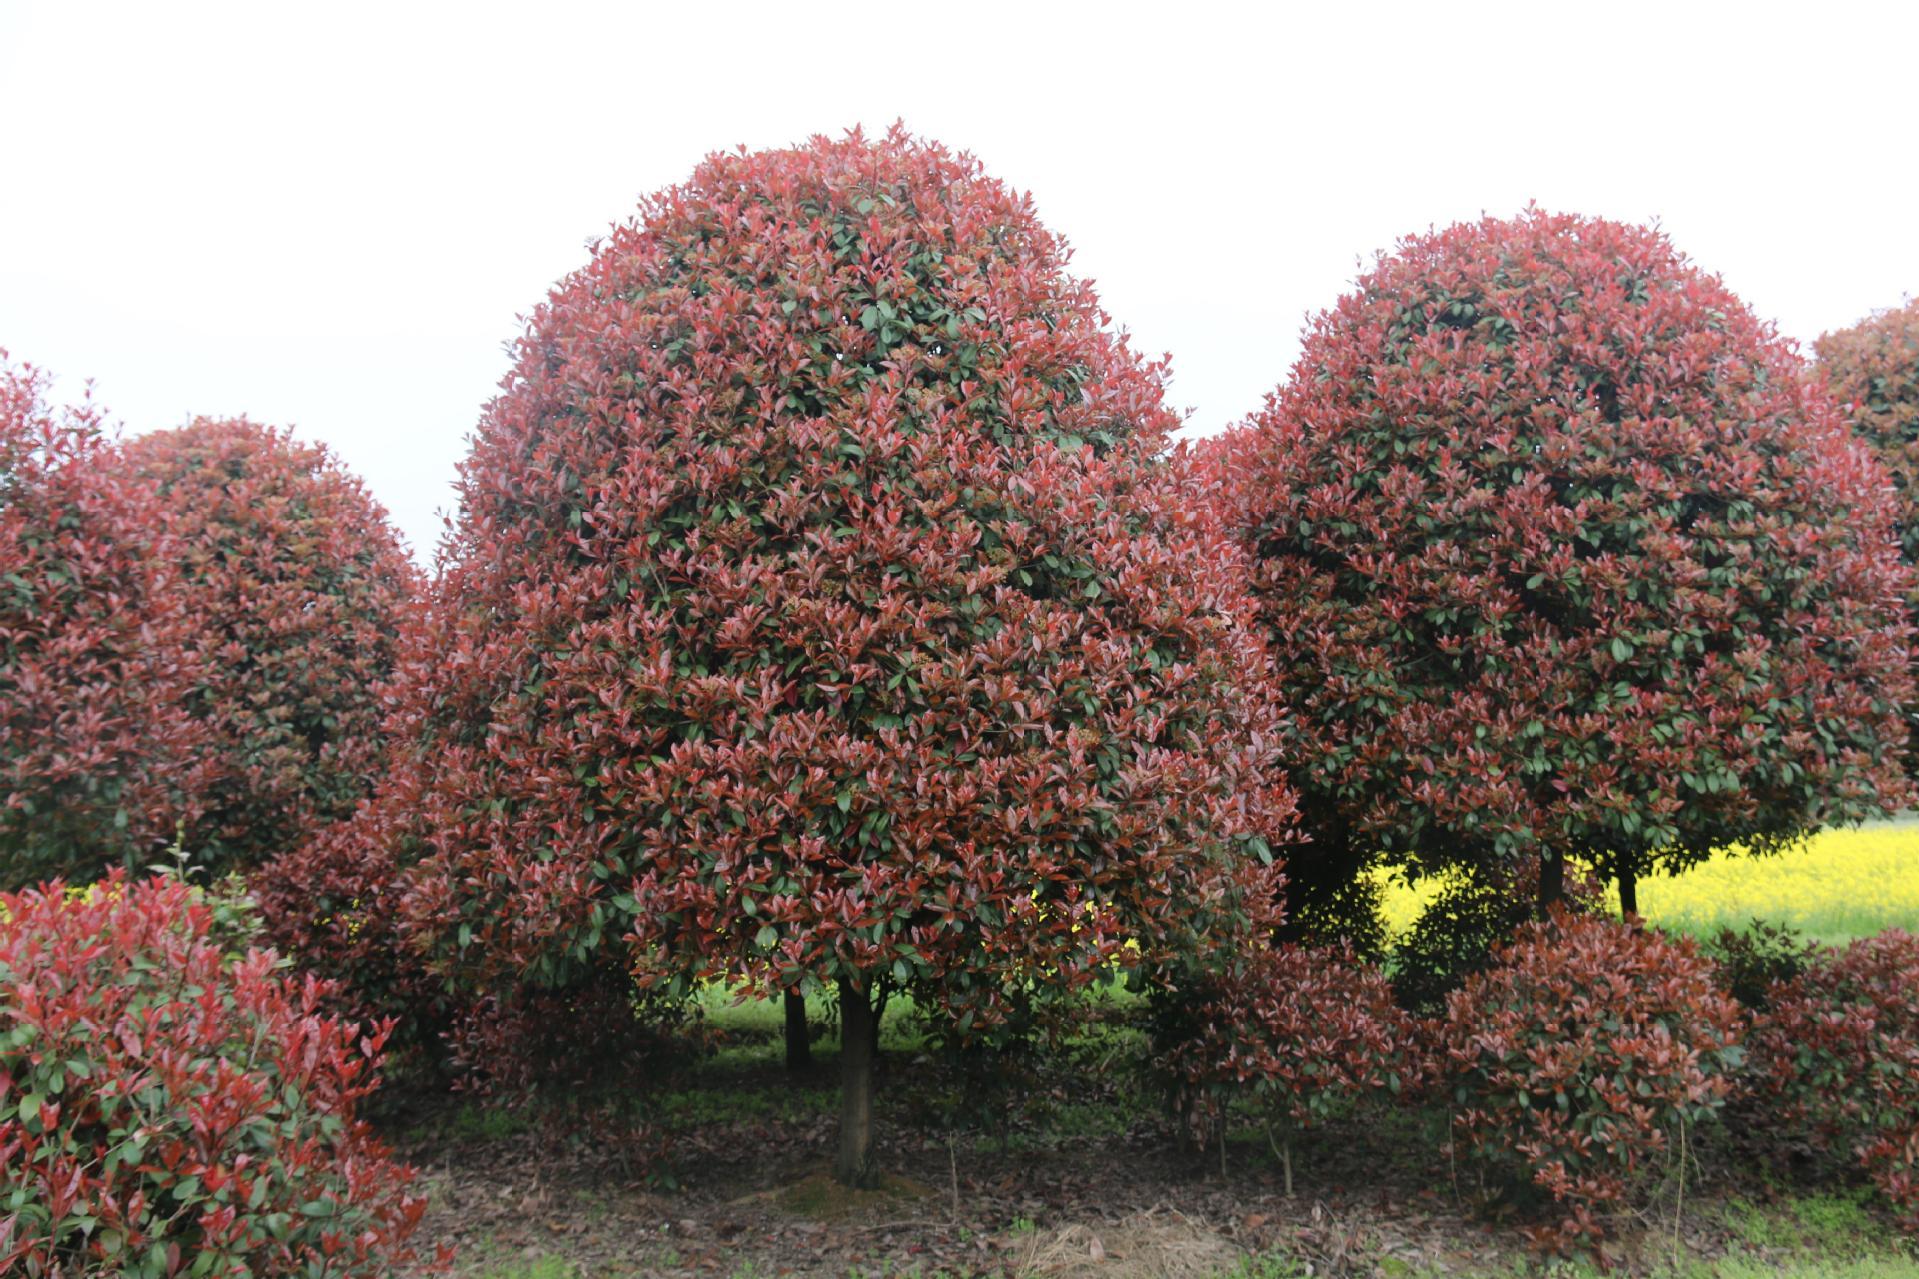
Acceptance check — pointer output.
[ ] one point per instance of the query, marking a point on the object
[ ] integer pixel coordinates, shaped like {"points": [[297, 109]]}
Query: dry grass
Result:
{"points": [[1157, 1244]]}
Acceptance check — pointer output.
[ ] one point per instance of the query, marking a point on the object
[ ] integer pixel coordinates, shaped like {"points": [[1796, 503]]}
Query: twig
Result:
{"points": [[1452, 1155], [1679, 1199], [1285, 1155]]}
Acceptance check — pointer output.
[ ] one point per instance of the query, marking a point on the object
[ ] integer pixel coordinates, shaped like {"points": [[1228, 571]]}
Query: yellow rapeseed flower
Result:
{"points": [[1838, 885]]}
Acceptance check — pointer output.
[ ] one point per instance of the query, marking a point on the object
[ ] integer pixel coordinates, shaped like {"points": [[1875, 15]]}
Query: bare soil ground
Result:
{"points": [[722, 1171]]}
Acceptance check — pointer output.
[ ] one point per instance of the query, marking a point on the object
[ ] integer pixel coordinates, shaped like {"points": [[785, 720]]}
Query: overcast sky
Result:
{"points": [[333, 215]]}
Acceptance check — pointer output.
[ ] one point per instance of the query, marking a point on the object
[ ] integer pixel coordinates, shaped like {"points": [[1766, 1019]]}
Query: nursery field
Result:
{"points": [[833, 609]]}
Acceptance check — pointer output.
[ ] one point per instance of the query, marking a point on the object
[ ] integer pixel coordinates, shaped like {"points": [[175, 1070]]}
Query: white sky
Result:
{"points": [[333, 215]]}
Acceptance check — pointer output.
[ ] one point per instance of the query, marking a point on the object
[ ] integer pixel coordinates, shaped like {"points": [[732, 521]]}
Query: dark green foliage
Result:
{"points": [[1753, 960]]}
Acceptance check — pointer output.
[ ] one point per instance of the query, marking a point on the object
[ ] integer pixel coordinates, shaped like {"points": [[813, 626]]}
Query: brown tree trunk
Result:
{"points": [[799, 1051], [854, 1167], [1628, 893], [1552, 882]]}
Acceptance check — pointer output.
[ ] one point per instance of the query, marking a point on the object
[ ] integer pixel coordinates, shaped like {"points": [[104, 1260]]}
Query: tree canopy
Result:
{"points": [[1559, 555], [818, 614]]}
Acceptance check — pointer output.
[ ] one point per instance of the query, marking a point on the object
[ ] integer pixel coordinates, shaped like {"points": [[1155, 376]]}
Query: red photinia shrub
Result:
{"points": [[1559, 553], [1306, 1032], [300, 588], [1586, 1051], [817, 615], [1839, 1053], [1873, 371], [166, 1108], [100, 761]]}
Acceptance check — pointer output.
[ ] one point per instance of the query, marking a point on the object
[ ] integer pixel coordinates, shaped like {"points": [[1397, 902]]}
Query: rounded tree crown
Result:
{"points": [[1559, 553], [100, 763], [1873, 371], [817, 609], [299, 586]]}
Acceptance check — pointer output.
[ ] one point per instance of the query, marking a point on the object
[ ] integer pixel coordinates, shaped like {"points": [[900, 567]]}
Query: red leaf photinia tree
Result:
{"points": [[818, 616], [332, 905], [1559, 555], [299, 587], [100, 760], [1872, 369]]}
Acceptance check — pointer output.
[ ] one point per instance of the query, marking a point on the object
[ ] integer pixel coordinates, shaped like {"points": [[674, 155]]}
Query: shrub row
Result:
{"points": [[1574, 1068], [168, 1105]]}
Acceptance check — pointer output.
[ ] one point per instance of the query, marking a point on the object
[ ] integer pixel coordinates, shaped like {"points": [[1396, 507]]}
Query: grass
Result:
{"points": [[538, 1268], [1809, 1236], [1838, 885], [1833, 1225], [1805, 1236], [747, 1025], [1862, 1268]]}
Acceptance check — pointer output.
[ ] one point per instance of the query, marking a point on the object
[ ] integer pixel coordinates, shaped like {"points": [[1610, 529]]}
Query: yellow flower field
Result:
{"points": [[1841, 884]]}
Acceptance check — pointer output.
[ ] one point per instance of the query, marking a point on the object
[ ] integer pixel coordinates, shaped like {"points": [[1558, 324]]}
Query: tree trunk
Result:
{"points": [[1552, 882], [1628, 893], [854, 1167], [799, 1051]]}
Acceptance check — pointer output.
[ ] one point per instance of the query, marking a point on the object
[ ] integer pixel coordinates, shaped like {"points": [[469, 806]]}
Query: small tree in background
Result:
{"points": [[100, 762], [1559, 556], [299, 587], [817, 617], [1873, 371]]}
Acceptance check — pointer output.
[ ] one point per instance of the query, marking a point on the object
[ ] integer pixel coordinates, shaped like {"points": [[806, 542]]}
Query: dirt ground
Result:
{"points": [[728, 1177]]}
